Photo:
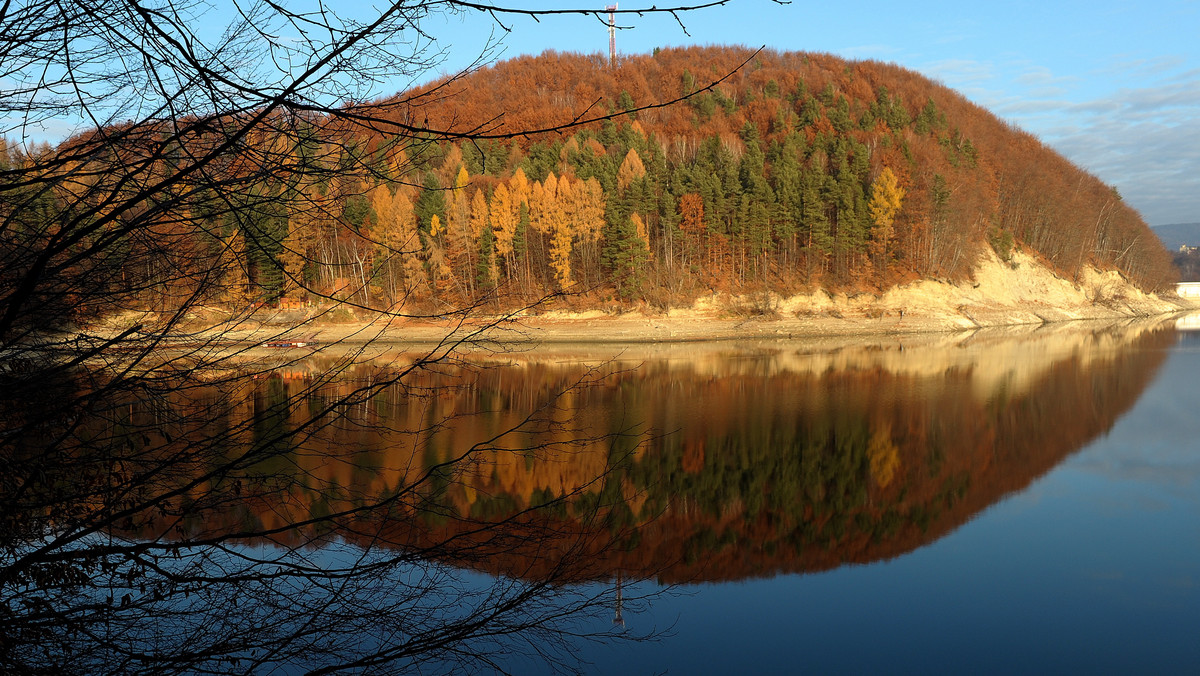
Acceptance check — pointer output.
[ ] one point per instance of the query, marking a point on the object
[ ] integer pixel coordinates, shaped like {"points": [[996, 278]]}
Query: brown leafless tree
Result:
{"points": [[138, 461]]}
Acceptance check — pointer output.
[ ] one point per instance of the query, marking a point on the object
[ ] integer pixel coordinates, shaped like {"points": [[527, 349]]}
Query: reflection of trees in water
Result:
{"points": [[242, 523], [808, 472], [319, 517], [743, 474]]}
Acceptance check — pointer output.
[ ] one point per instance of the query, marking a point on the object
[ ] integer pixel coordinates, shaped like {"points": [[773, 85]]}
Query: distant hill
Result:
{"points": [[1175, 235]]}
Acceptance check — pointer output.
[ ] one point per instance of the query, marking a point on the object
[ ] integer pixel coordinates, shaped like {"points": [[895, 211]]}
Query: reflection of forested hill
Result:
{"points": [[768, 467]]}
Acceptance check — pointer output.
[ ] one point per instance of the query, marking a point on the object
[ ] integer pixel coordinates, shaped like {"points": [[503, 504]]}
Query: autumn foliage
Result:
{"points": [[793, 171], [810, 170]]}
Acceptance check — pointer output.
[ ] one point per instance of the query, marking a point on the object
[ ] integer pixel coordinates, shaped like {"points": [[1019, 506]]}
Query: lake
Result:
{"points": [[1009, 500], [1092, 567]]}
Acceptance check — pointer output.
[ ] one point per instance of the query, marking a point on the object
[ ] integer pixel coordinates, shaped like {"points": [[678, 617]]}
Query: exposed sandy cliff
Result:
{"points": [[1024, 292], [1000, 294]]}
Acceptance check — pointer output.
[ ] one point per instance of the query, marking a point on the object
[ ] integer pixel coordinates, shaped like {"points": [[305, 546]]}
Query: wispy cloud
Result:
{"points": [[1141, 133], [1125, 65], [1040, 76], [1147, 141]]}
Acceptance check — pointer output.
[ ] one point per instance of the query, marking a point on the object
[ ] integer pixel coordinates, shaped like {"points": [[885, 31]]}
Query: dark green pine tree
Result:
{"points": [[850, 214], [929, 119], [520, 245], [890, 109], [839, 116], [808, 111], [729, 195], [788, 187], [815, 216], [757, 197], [520, 241], [431, 202], [625, 256], [262, 218], [541, 159]]}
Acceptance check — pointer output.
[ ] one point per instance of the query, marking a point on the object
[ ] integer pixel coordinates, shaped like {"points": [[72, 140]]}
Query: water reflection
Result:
{"points": [[730, 463], [1188, 322], [545, 468]]}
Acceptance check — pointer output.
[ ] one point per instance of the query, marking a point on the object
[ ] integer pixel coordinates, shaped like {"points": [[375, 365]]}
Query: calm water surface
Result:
{"points": [[1092, 568], [998, 502], [990, 503]]}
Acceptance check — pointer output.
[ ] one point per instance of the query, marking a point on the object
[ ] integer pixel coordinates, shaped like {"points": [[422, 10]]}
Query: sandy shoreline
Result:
{"points": [[604, 337], [1022, 293], [623, 329]]}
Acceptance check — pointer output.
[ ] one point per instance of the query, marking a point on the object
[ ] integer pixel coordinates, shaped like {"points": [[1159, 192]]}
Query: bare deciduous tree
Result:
{"points": [[135, 456]]}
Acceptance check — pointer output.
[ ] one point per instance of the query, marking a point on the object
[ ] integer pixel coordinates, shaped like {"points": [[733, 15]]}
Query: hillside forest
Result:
{"points": [[793, 171]]}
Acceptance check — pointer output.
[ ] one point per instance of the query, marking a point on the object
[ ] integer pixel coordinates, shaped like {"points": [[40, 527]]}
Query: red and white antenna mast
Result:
{"points": [[612, 35]]}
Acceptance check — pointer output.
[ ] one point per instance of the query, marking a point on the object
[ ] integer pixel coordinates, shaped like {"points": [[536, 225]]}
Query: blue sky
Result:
{"points": [[1115, 86]]}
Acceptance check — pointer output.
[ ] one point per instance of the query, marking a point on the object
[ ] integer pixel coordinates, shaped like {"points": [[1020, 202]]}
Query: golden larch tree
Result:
{"points": [[691, 222], [480, 214], [504, 214], [586, 211], [397, 260], [549, 204], [407, 244], [236, 280], [302, 236], [461, 247], [631, 169], [886, 199], [643, 235], [589, 211], [519, 186]]}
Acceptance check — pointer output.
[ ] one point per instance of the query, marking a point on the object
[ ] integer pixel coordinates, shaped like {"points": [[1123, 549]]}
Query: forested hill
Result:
{"points": [[772, 172], [796, 169]]}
